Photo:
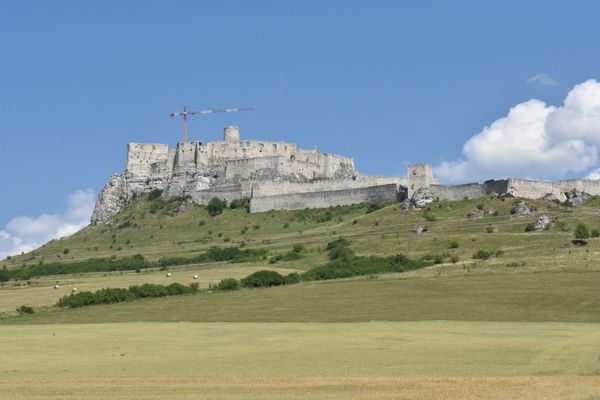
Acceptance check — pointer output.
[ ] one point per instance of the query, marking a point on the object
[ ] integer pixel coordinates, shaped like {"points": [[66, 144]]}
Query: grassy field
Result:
{"points": [[548, 296], [434, 334], [337, 360]]}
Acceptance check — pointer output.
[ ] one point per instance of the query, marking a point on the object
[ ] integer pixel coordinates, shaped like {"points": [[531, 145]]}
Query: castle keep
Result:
{"points": [[280, 176]]}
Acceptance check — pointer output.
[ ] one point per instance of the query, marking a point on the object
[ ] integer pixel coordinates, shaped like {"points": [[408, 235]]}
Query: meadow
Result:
{"points": [[296, 360], [522, 323]]}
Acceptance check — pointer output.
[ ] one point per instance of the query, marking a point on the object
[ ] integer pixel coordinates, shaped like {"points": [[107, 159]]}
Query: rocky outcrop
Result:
{"points": [[541, 223], [419, 200], [522, 209], [576, 197]]}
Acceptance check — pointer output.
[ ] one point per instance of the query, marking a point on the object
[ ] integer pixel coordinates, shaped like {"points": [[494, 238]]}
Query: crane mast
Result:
{"points": [[185, 114]]}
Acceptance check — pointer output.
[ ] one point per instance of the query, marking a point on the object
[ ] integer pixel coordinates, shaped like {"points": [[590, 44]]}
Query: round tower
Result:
{"points": [[231, 134]]}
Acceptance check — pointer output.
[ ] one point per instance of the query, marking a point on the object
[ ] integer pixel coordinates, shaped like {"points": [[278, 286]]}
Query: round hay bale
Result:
{"points": [[195, 277], [55, 286], [168, 275], [74, 290]]}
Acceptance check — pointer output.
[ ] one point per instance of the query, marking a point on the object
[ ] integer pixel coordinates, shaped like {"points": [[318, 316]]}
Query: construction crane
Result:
{"points": [[185, 114]]}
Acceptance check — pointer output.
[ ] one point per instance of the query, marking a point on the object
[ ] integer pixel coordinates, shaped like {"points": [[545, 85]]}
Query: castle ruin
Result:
{"points": [[280, 176]]}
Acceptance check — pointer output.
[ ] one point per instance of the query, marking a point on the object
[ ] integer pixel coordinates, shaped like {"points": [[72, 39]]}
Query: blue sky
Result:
{"points": [[387, 82]]}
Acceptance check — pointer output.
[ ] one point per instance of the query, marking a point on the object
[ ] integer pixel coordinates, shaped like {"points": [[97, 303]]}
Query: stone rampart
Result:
{"points": [[300, 201], [458, 192], [229, 193], [275, 188]]}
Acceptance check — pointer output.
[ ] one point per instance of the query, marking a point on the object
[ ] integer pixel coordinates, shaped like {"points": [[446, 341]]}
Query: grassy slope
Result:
{"points": [[552, 280]]}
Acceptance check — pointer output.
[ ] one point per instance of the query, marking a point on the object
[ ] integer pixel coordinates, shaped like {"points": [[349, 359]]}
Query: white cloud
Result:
{"points": [[542, 79], [534, 140], [26, 233]]}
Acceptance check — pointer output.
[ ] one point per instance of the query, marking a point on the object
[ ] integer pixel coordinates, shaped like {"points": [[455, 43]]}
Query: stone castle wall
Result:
{"points": [[458, 192], [279, 176], [260, 189], [324, 199]]}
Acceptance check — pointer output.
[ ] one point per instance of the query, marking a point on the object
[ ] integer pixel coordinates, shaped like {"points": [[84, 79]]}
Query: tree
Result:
{"points": [[582, 232], [216, 206]]}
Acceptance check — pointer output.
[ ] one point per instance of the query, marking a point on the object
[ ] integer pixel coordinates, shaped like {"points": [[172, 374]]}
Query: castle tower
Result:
{"points": [[419, 175], [231, 134]]}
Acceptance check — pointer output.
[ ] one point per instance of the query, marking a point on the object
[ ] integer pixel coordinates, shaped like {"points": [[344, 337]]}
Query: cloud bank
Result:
{"points": [[26, 233], [534, 140]]}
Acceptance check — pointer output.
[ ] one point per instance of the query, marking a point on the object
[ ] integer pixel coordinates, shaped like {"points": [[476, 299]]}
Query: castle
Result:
{"points": [[280, 176]]}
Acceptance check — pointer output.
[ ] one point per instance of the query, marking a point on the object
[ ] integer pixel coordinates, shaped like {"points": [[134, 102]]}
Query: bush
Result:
{"points": [[530, 227], [66, 251], [91, 265], [216, 206], [454, 244], [359, 266], [154, 194], [25, 310], [228, 284], [263, 279], [119, 295], [595, 233], [489, 229], [289, 256], [454, 259], [429, 216], [4, 274], [239, 203], [298, 248], [373, 207], [482, 255], [582, 232]]}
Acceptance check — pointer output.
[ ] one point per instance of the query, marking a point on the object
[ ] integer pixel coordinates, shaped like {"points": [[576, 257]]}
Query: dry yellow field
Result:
{"points": [[377, 360]]}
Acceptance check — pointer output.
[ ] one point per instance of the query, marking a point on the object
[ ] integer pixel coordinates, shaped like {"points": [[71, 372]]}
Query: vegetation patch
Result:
{"points": [[119, 295], [344, 264]]}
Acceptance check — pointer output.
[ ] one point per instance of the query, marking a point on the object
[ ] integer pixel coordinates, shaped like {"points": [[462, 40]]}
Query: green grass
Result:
{"points": [[549, 296]]}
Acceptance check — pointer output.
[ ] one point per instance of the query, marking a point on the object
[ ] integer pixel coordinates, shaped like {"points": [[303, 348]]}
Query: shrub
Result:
{"points": [[482, 255], [373, 207], [239, 203], [429, 216], [25, 310], [90, 265], [454, 244], [119, 295], [530, 227], [154, 194], [358, 266], [454, 259], [489, 229], [286, 225], [289, 256], [298, 248], [582, 232], [228, 284], [480, 206], [66, 251], [292, 278], [4, 274], [595, 233], [216, 206], [263, 279]]}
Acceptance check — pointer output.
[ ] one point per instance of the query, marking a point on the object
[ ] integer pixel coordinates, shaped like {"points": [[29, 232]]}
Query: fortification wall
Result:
{"points": [[141, 156], [300, 201], [458, 192], [246, 168], [276, 188], [531, 189], [228, 193], [419, 176], [590, 186], [498, 186]]}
